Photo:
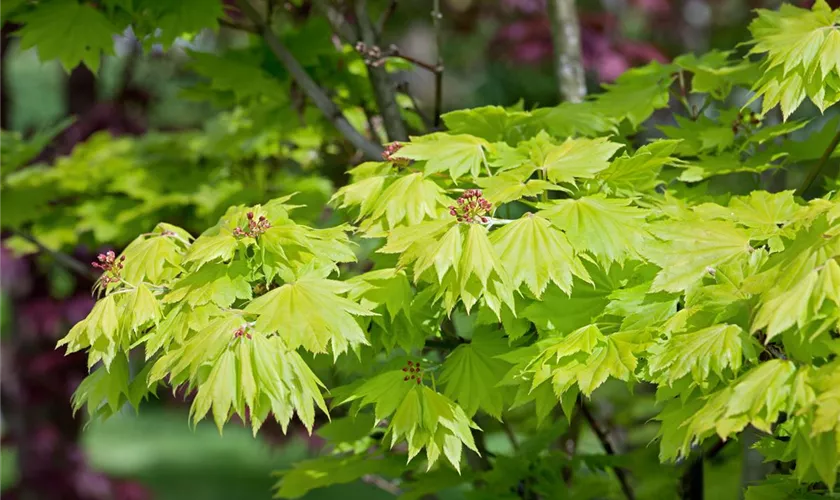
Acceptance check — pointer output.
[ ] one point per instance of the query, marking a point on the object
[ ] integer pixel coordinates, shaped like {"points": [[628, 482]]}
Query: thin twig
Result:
{"points": [[815, 170], [691, 480], [369, 118], [339, 25], [608, 448], [436, 23], [386, 14], [316, 94], [568, 442], [404, 88], [514, 441], [236, 26], [62, 258], [384, 90], [394, 51], [380, 482], [565, 35]]}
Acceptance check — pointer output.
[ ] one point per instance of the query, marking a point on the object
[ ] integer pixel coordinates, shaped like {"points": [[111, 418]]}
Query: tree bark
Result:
{"points": [[5, 112], [80, 91], [565, 36], [319, 97], [384, 90]]}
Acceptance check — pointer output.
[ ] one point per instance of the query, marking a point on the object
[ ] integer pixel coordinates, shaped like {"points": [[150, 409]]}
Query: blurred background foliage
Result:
{"points": [[179, 133]]}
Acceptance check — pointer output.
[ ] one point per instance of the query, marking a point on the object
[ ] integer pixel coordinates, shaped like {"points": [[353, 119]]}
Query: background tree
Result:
{"points": [[529, 256]]}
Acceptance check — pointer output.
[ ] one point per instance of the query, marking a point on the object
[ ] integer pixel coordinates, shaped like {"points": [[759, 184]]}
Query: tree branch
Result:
{"points": [[815, 170], [384, 90], [235, 26], [425, 119], [394, 51], [383, 484], [436, 23], [372, 150], [62, 258], [514, 441], [386, 14], [608, 448], [337, 21], [565, 36]]}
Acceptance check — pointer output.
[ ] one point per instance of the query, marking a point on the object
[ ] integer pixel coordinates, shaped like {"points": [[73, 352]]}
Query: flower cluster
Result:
{"points": [[110, 265], [241, 332], [388, 154], [745, 119], [413, 372], [472, 207], [255, 227]]}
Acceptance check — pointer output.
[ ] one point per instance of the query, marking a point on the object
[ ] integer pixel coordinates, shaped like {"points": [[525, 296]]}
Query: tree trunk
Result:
{"points": [[80, 91], [6, 38], [568, 61], [384, 90]]}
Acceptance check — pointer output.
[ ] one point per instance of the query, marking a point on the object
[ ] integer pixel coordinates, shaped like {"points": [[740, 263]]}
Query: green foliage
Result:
{"points": [[587, 261], [801, 50]]}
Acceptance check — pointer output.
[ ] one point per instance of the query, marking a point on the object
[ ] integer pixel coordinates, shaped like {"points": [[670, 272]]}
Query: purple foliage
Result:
{"points": [[37, 383]]}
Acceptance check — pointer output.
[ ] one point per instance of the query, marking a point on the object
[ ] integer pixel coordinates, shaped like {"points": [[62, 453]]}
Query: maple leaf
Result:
{"points": [[310, 313], [585, 357], [458, 154], [509, 186], [421, 416], [156, 259], [636, 93], [692, 249], [800, 46], [307, 475], [536, 254], [219, 284], [492, 123], [471, 372], [699, 353], [609, 228], [572, 159], [70, 32], [640, 171], [463, 259], [250, 373]]}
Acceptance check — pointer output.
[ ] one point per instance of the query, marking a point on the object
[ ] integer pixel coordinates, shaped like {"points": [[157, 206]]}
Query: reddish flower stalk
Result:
{"points": [[388, 154], [255, 227], [413, 372], [111, 266], [472, 207]]}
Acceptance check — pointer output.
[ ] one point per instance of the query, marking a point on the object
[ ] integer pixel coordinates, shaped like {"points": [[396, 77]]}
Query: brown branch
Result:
{"points": [[236, 26], [436, 23], [691, 480], [514, 441], [316, 94], [404, 88], [815, 170], [565, 35], [568, 442], [62, 258], [620, 473], [386, 15], [384, 90], [337, 21], [383, 484], [394, 51]]}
